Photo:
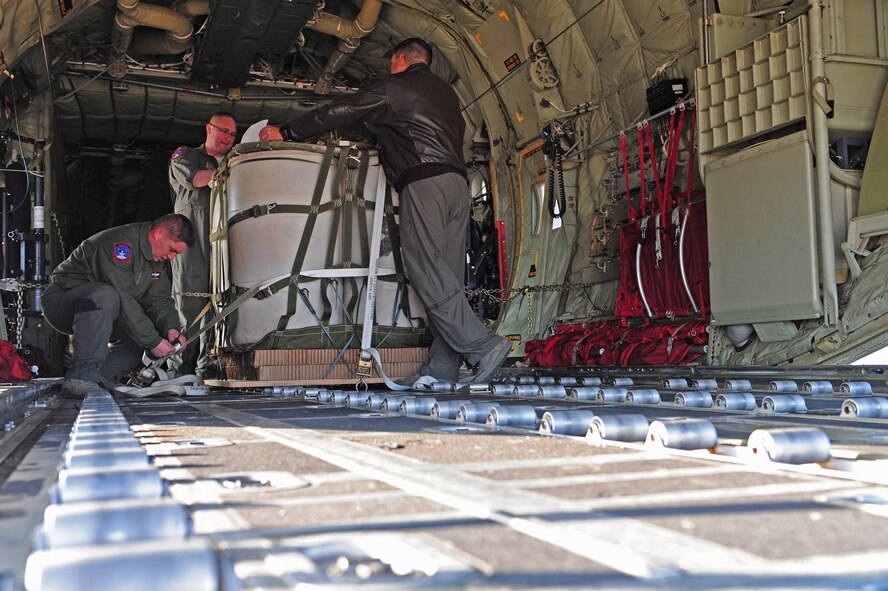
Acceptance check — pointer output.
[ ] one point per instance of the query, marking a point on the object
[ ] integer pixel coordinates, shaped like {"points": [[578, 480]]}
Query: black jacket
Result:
{"points": [[416, 116]]}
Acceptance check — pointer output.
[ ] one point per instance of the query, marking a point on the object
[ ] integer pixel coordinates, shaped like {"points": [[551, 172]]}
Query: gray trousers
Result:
{"points": [[89, 312], [191, 272], [433, 225]]}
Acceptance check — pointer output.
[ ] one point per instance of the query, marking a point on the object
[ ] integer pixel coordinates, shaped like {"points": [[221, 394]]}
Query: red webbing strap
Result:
{"points": [[666, 192], [672, 160], [641, 170], [653, 155], [633, 214], [690, 187]]}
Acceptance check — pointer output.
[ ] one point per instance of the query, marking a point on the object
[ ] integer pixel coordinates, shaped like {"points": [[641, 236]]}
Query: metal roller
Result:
{"points": [[856, 388], [526, 391], [783, 386], [526, 380], [821, 387], [675, 383], [86, 415], [643, 396], [374, 401], [286, 391], [314, 393], [545, 380], [157, 564], [512, 416], [567, 422], [474, 412], [105, 444], [866, 408], [735, 401], [588, 381], [446, 409], [420, 405], [683, 434], [552, 392], [503, 390], [442, 387], [96, 484], [333, 397], [393, 403], [782, 403], [704, 384], [108, 522], [619, 427], [86, 437], [611, 395], [102, 427], [357, 399], [567, 381], [110, 458], [622, 382], [694, 399], [738, 385], [797, 445], [584, 393]]}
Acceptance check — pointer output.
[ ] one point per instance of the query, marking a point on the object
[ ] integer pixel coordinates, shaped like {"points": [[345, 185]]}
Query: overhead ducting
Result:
{"points": [[171, 29], [239, 30], [349, 32]]}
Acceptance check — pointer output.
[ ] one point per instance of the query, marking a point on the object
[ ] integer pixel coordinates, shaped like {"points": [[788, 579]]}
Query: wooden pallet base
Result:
{"points": [[297, 367]]}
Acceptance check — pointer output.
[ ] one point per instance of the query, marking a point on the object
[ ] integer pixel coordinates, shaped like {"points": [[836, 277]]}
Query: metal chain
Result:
{"points": [[505, 295], [55, 222], [193, 294], [19, 317], [529, 315], [20, 307]]}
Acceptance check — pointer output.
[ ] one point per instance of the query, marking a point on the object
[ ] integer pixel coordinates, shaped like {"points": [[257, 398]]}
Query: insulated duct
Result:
{"points": [[174, 34], [349, 33]]}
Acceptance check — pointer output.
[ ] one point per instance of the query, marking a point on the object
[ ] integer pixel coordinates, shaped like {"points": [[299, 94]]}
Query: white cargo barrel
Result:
{"points": [[265, 247]]}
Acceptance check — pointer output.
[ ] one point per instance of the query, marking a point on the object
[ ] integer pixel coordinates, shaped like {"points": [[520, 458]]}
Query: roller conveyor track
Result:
{"points": [[256, 486]]}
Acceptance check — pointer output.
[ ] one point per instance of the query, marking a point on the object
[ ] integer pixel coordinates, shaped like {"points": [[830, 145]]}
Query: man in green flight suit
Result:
{"points": [[114, 287], [191, 170]]}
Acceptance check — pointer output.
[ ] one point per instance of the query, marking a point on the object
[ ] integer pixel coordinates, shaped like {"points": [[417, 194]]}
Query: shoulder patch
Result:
{"points": [[178, 153], [122, 251], [155, 275]]}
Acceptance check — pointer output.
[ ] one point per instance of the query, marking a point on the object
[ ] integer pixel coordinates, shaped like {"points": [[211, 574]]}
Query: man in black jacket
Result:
{"points": [[417, 118]]}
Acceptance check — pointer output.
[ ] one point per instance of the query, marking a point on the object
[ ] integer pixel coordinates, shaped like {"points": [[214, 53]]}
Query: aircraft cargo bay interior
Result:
{"points": [[443, 294]]}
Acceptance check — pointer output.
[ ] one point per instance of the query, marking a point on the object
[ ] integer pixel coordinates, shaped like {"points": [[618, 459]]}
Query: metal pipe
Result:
{"points": [[39, 217], [349, 33], [640, 284], [4, 208], [822, 161], [681, 260], [173, 37], [706, 25]]}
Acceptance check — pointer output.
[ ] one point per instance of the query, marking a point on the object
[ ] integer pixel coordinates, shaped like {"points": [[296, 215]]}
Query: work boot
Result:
{"points": [[80, 388], [490, 363]]}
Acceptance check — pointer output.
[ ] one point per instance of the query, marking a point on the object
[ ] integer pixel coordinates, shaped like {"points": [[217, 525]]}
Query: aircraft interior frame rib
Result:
{"points": [[677, 221]]}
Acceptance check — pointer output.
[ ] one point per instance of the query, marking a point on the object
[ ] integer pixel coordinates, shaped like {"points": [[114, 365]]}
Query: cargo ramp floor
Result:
{"points": [[296, 490]]}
